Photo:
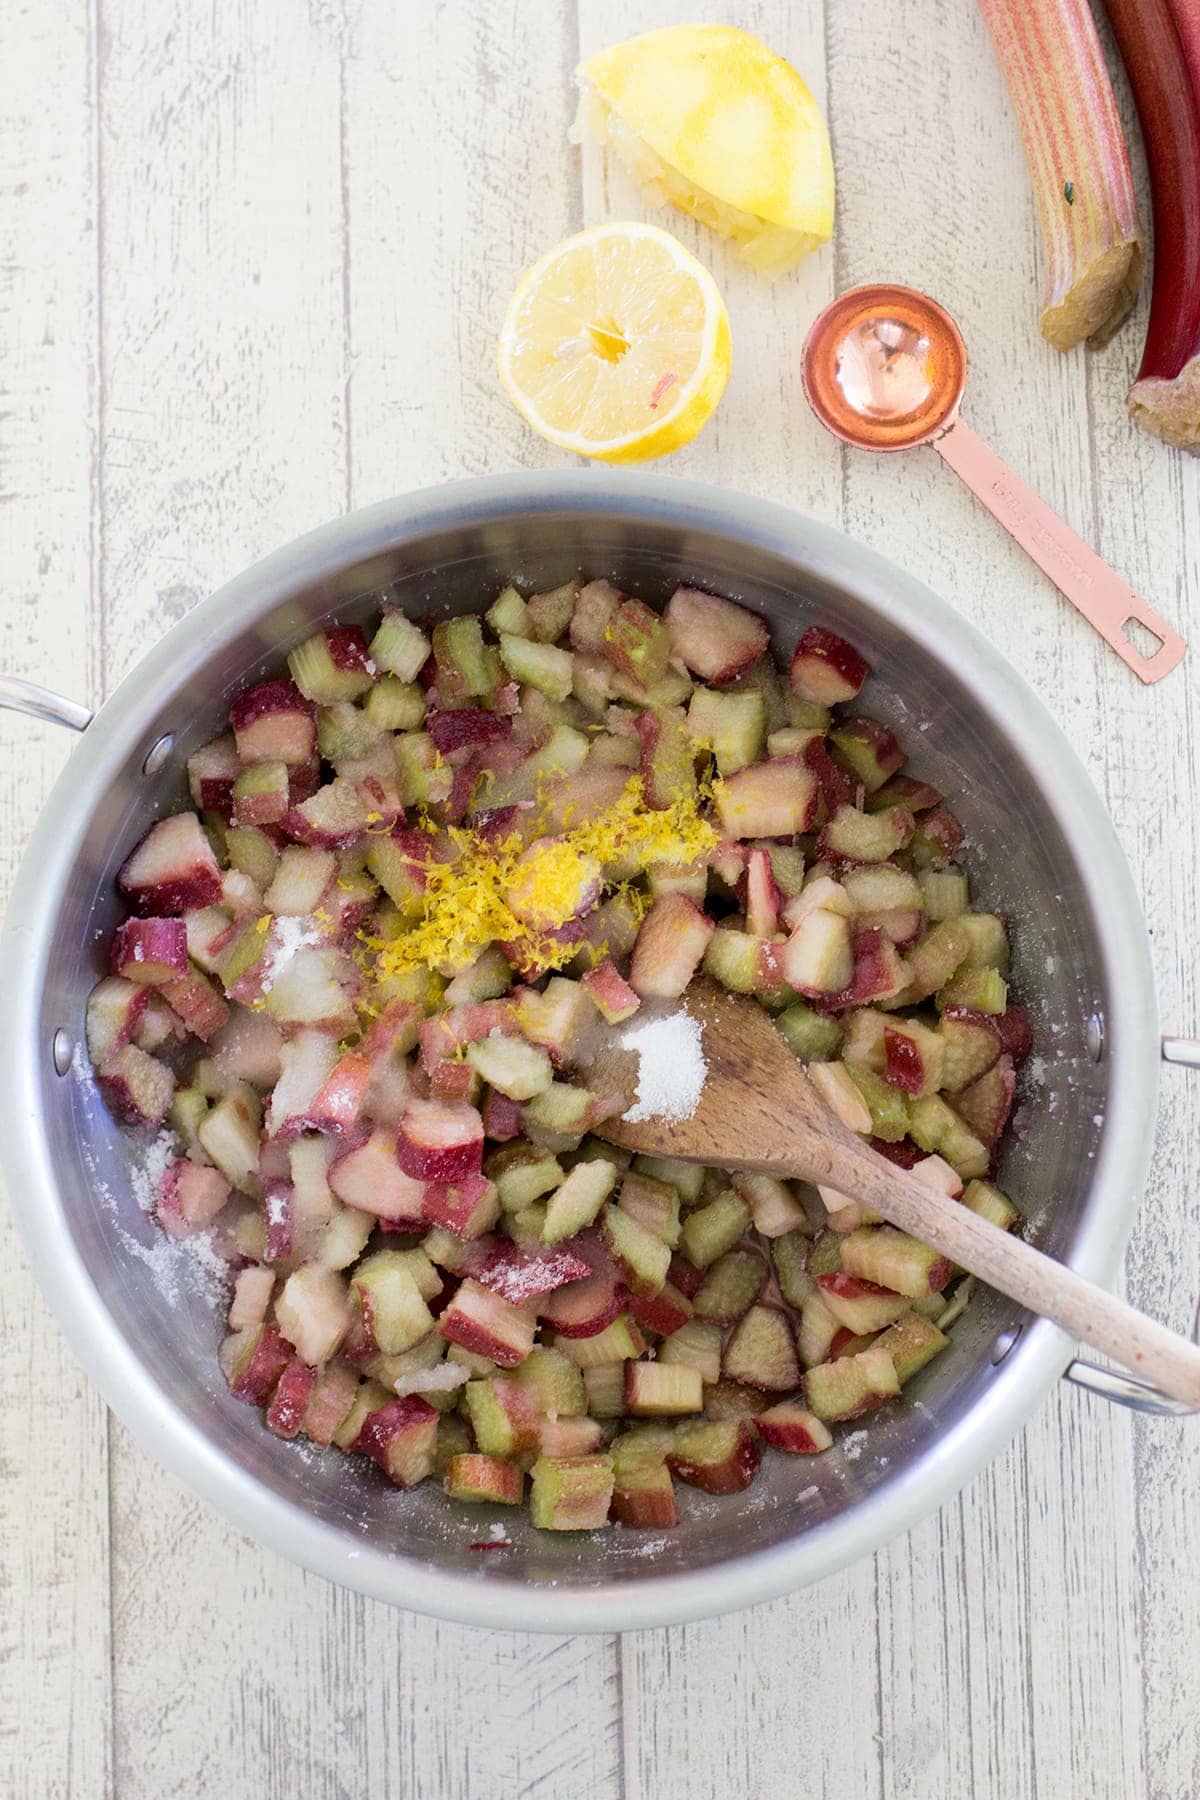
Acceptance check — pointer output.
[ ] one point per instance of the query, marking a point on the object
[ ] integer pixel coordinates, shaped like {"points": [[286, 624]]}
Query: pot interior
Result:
{"points": [[1021, 866]]}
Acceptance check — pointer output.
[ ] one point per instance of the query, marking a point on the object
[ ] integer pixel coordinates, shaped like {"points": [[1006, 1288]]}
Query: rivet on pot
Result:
{"points": [[1005, 1342], [61, 1051], [1095, 1036], [158, 753]]}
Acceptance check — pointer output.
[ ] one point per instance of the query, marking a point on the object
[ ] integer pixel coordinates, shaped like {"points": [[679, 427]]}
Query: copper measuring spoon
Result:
{"points": [[884, 369]]}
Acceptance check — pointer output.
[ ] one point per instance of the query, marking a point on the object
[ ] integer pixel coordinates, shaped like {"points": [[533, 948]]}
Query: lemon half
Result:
{"points": [[616, 344], [707, 117]]}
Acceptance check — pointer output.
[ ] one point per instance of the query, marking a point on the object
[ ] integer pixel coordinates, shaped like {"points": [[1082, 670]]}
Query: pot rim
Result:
{"points": [[1042, 1351]]}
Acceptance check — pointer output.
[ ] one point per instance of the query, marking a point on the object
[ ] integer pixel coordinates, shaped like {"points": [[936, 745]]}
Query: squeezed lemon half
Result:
{"points": [[707, 117], [616, 344]]}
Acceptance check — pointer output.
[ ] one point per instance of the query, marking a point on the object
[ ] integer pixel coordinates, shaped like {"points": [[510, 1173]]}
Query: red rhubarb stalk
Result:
{"points": [[1051, 60], [1160, 42]]}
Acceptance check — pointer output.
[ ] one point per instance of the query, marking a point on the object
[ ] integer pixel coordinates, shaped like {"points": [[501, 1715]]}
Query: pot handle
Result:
{"points": [[1115, 1384], [40, 703], [1125, 1390]]}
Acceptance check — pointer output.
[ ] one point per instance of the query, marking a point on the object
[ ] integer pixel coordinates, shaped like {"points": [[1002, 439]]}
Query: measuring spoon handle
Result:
{"points": [[1084, 578]]}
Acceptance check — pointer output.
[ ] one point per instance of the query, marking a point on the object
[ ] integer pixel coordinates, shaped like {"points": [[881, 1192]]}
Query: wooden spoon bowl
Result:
{"points": [[759, 1110]]}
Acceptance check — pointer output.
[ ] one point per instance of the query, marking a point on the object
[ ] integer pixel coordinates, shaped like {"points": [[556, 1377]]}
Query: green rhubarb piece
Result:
{"points": [[423, 779], [251, 852], [508, 614], [500, 1416], [345, 730], [713, 1229], [638, 643], [522, 1173], [731, 1287], [399, 647], [687, 1178], [806, 715], [553, 1384], [561, 1109], [938, 1129], [604, 1384], [983, 990], [571, 1493], [810, 1035], [388, 1291], [489, 1479], [395, 705], [698, 1344], [188, 1111], [465, 665], [825, 1254], [888, 1106], [518, 1070], [400, 877], [734, 958], [644, 1257], [945, 893], [579, 1199], [551, 612], [641, 1447], [540, 666], [790, 1257], [453, 1439], [982, 1198], [937, 955], [315, 673], [852, 1385], [911, 1342], [989, 942], [619, 1342], [732, 725]]}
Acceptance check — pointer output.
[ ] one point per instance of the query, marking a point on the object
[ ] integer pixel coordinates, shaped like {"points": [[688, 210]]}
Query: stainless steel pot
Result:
{"points": [[1042, 852]]}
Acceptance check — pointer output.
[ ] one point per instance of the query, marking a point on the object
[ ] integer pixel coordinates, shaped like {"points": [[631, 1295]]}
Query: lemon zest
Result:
{"points": [[466, 902]]}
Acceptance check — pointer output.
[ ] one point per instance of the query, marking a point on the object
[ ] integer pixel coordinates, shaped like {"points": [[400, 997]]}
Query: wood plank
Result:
{"points": [[55, 1695], [782, 1699], [458, 176], [1147, 504], [425, 405], [1013, 1709], [224, 429]]}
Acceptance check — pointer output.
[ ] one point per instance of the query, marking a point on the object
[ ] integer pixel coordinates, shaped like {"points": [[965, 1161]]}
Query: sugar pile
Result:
{"points": [[671, 1067]]}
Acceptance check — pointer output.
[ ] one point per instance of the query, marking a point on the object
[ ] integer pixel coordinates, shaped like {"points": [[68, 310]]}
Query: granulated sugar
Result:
{"points": [[289, 935], [148, 1166], [671, 1067]]}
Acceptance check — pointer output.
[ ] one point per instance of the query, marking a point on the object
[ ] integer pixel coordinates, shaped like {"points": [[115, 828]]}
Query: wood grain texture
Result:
{"points": [[1020, 1548], [1147, 512], [254, 261], [55, 1664]]}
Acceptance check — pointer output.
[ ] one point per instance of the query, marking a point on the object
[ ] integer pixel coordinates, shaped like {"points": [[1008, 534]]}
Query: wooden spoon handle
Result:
{"points": [[1088, 1313]]}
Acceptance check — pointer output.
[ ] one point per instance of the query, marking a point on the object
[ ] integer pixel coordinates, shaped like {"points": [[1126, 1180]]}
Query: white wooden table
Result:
{"points": [[253, 257]]}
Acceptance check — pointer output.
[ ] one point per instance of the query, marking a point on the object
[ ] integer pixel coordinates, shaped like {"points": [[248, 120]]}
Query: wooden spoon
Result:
{"points": [[760, 1111]]}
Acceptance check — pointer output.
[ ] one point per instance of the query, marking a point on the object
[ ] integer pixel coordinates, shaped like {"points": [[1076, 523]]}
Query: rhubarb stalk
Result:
{"points": [[1160, 42], [1051, 60]]}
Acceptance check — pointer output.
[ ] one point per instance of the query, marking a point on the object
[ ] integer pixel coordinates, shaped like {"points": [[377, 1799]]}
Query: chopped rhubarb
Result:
{"points": [[173, 869], [365, 991]]}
